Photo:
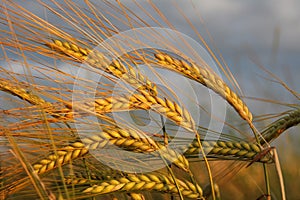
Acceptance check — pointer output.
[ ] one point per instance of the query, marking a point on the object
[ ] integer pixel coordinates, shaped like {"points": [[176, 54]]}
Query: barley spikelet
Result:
{"points": [[145, 101], [134, 141], [121, 137], [80, 178], [141, 182], [136, 196], [174, 157], [70, 49], [208, 79], [167, 108], [98, 60], [54, 109], [60, 158], [279, 126], [14, 89], [228, 150], [128, 139]]}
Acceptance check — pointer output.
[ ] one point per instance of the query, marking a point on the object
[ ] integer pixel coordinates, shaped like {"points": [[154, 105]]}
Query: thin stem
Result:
{"points": [[278, 169], [267, 181], [168, 167], [166, 137], [208, 168], [264, 164]]}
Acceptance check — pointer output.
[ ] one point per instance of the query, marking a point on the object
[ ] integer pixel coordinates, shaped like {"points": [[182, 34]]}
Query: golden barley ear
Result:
{"points": [[15, 89], [206, 77], [142, 182], [97, 60]]}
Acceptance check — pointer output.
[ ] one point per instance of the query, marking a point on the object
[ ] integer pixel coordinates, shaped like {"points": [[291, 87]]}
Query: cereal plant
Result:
{"points": [[100, 100]]}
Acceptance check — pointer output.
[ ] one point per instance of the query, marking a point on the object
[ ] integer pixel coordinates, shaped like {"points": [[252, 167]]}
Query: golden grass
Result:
{"points": [[45, 146], [207, 78]]}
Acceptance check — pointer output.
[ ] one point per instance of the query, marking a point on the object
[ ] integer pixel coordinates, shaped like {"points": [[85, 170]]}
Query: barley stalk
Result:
{"points": [[98, 60], [123, 138], [208, 79], [228, 150], [137, 142], [140, 182], [103, 174], [145, 101], [53, 109], [279, 126], [16, 90], [127, 138], [60, 158]]}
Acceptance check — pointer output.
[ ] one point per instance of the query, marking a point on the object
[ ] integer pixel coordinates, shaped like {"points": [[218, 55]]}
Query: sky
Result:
{"points": [[246, 33]]}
